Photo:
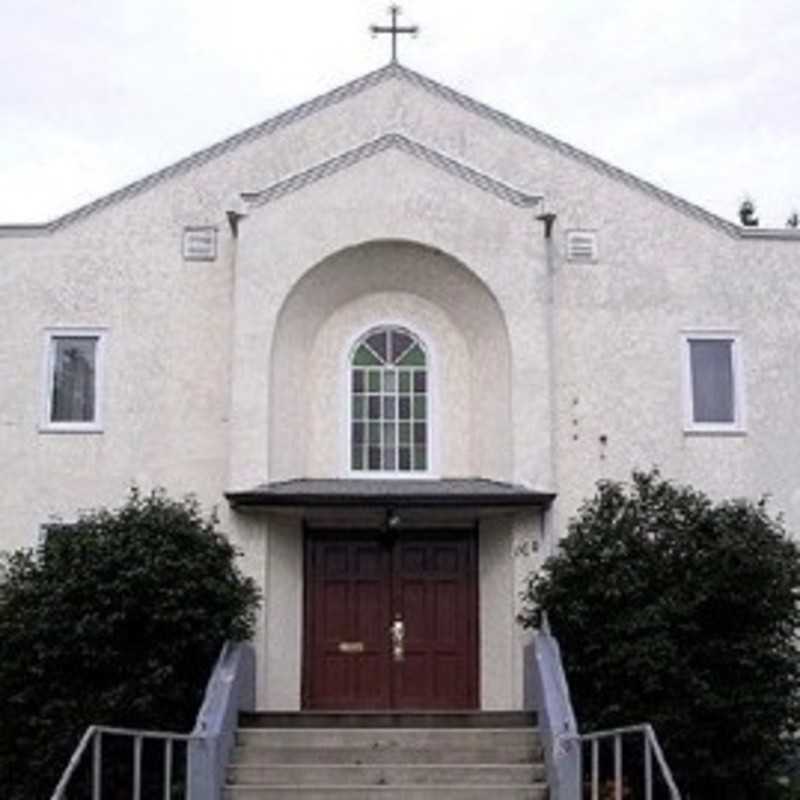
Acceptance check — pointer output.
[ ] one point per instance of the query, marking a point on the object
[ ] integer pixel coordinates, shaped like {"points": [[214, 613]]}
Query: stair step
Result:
{"points": [[453, 792], [386, 775], [388, 719], [387, 756], [383, 738], [357, 756]]}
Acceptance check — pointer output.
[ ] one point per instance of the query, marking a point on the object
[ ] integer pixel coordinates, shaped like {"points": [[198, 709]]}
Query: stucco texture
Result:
{"points": [[228, 373]]}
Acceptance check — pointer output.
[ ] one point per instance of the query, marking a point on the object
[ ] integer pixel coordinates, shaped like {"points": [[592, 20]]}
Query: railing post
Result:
{"points": [[167, 768], [595, 769], [97, 765], [137, 768], [618, 767], [648, 768]]}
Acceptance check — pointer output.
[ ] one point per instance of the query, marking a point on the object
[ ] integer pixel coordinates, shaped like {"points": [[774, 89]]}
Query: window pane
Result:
{"points": [[405, 381], [389, 407], [374, 380], [358, 380], [359, 406], [405, 407], [419, 433], [419, 381], [358, 457], [374, 407], [374, 458], [712, 380], [400, 343], [405, 433], [364, 357], [378, 343], [389, 459], [73, 398], [419, 407], [413, 358], [358, 433], [389, 380], [419, 458], [404, 456], [374, 433]]}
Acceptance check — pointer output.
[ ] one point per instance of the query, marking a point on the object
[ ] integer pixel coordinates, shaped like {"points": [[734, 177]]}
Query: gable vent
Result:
{"points": [[200, 244], [581, 246]]}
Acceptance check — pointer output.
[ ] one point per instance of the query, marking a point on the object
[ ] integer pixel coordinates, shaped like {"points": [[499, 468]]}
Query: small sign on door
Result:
{"points": [[351, 647]]}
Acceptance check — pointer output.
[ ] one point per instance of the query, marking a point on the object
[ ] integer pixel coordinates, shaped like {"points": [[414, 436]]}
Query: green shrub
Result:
{"points": [[682, 612], [117, 620]]}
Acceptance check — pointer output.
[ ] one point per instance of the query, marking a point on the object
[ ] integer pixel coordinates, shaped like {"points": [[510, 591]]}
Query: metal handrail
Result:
{"points": [[651, 747], [563, 741], [94, 734], [557, 722], [230, 689]]}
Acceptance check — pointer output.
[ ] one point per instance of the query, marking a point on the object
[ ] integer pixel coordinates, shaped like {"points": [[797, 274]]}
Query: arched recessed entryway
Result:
{"points": [[390, 283]]}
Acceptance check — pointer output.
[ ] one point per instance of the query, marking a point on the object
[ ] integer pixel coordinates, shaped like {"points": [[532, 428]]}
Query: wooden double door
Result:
{"points": [[391, 622]]}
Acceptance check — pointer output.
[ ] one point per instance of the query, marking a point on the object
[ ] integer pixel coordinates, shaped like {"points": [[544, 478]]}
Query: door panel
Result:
{"points": [[356, 586], [434, 580], [349, 663]]}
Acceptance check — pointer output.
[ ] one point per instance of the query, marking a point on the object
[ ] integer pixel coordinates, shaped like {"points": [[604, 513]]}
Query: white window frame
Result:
{"points": [[738, 426], [425, 340], [47, 425]]}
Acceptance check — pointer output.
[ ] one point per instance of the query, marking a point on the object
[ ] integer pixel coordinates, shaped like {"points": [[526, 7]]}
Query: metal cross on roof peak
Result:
{"points": [[394, 29]]}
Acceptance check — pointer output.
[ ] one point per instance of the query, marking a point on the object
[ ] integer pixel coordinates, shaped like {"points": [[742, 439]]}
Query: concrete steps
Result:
{"points": [[308, 756], [363, 756], [386, 793], [387, 774], [388, 719]]}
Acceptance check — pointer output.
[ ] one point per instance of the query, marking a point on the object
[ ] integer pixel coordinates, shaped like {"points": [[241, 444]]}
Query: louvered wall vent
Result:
{"points": [[200, 244], [582, 246]]}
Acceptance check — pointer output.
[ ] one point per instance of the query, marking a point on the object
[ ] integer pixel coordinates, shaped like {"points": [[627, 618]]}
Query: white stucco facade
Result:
{"points": [[393, 200]]}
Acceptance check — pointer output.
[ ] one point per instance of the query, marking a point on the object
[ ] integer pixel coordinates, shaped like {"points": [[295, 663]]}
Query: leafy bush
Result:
{"points": [[675, 610], [117, 620]]}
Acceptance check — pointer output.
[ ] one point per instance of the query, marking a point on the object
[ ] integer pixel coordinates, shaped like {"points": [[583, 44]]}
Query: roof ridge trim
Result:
{"points": [[481, 109], [383, 143], [209, 153], [352, 88]]}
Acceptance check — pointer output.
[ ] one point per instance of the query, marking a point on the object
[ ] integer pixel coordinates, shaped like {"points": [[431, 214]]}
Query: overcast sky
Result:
{"points": [[701, 97]]}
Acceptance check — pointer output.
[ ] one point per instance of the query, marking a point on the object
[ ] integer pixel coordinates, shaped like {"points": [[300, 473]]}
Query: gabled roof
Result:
{"points": [[392, 70], [392, 141]]}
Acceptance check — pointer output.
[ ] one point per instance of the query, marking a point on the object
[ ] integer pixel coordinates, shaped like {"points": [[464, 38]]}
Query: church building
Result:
{"points": [[394, 336]]}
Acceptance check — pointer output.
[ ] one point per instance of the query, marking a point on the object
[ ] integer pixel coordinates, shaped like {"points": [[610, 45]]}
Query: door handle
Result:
{"points": [[397, 634]]}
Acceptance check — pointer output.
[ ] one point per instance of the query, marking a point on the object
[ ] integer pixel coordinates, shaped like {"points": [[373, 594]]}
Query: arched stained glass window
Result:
{"points": [[389, 402]]}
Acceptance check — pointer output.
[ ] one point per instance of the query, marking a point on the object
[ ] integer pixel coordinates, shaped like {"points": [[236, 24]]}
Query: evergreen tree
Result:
{"points": [[678, 611], [116, 620]]}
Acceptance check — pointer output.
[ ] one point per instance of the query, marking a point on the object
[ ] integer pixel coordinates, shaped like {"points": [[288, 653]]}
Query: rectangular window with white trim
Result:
{"points": [[73, 380], [713, 390]]}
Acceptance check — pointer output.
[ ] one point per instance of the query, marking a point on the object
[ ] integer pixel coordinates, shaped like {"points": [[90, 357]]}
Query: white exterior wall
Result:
{"points": [[219, 374]]}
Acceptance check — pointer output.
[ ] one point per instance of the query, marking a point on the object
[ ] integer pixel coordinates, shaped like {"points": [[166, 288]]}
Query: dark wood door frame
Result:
{"points": [[469, 536]]}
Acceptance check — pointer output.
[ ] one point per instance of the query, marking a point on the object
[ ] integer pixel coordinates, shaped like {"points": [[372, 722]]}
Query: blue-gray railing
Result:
{"points": [[564, 744], [650, 749], [557, 725], [230, 689]]}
